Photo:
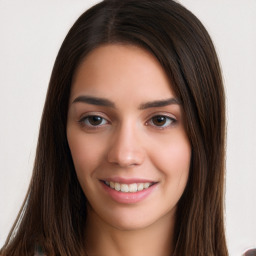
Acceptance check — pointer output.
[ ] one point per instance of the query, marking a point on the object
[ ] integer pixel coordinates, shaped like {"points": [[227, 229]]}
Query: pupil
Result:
{"points": [[95, 120], [159, 120]]}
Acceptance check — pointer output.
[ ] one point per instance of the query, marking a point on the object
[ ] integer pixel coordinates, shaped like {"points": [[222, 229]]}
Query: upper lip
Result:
{"points": [[128, 180]]}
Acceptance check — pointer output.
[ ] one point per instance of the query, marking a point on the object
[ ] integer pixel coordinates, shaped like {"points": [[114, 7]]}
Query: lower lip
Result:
{"points": [[128, 198]]}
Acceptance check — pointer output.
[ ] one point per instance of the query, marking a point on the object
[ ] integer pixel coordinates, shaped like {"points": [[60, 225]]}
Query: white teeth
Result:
{"points": [[140, 187], [117, 186], [112, 184], [133, 187], [146, 185], [126, 188]]}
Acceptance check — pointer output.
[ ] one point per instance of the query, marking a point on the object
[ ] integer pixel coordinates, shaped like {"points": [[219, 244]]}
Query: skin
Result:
{"points": [[127, 141]]}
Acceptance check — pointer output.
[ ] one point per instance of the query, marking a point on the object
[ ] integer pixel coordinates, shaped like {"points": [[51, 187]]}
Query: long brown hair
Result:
{"points": [[54, 211]]}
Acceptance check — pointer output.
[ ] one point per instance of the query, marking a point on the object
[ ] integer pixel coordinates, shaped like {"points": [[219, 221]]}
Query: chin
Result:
{"points": [[137, 220], [131, 225]]}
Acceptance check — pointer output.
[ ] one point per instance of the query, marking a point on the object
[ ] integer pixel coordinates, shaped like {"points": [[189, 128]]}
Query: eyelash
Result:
{"points": [[171, 121], [85, 123]]}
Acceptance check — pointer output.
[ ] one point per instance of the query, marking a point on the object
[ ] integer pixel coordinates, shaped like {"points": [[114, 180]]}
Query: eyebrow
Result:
{"points": [[94, 101], [107, 103], [159, 103]]}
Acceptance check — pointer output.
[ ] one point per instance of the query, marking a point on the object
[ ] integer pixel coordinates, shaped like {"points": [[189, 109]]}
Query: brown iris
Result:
{"points": [[95, 120], [159, 120]]}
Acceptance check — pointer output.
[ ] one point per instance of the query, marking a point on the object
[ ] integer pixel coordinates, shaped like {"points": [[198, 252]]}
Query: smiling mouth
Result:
{"points": [[128, 188]]}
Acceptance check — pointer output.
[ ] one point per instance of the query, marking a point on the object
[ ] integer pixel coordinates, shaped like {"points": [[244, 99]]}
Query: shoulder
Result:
{"points": [[250, 252]]}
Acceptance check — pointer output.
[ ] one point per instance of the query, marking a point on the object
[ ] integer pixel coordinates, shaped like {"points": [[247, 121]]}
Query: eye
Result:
{"points": [[93, 121], [161, 121]]}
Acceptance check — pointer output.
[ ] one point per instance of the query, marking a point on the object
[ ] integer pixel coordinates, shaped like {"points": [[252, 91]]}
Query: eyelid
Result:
{"points": [[91, 114], [162, 114]]}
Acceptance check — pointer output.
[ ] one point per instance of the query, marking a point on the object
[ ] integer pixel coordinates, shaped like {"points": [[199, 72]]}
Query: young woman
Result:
{"points": [[130, 155]]}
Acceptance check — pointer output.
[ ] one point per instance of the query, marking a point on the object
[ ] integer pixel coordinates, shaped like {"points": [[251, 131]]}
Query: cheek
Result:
{"points": [[87, 154], [178, 156], [172, 157]]}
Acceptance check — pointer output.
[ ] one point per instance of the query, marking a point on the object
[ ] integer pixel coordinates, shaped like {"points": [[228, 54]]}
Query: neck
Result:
{"points": [[104, 240]]}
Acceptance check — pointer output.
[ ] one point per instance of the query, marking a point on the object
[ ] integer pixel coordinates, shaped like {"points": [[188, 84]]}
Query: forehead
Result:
{"points": [[121, 70]]}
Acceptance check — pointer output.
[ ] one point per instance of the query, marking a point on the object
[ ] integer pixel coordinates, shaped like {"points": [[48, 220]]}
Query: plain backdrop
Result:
{"points": [[31, 32]]}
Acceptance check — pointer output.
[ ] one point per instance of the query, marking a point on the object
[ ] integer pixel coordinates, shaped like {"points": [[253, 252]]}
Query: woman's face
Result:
{"points": [[126, 134]]}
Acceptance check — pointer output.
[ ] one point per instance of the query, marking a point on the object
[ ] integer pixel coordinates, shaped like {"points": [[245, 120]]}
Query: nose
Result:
{"points": [[126, 149]]}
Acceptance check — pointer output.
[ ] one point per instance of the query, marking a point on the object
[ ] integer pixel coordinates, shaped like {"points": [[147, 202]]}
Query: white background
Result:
{"points": [[31, 33]]}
